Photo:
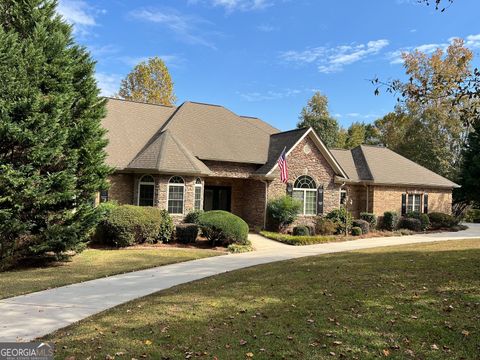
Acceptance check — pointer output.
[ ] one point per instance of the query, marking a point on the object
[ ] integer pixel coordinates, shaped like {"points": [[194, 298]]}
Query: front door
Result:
{"points": [[217, 198]]}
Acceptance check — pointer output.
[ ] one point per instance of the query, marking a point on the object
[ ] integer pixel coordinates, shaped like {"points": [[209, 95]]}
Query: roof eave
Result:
{"points": [[377, 183]]}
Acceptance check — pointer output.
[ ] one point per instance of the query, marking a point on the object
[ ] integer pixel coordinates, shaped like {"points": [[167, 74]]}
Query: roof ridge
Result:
{"points": [[289, 131], [137, 102], [204, 103], [184, 149], [364, 160], [162, 146]]}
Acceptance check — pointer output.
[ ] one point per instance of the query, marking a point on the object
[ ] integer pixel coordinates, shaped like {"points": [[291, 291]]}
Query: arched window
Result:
{"points": [[198, 194], [146, 191], [305, 190], [176, 191]]}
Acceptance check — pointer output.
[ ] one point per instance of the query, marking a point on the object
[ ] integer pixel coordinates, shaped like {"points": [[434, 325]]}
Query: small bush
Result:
{"points": [[297, 240], [222, 226], [356, 231], [282, 212], [370, 218], [362, 224], [237, 248], [127, 225], [325, 226], [410, 223], [186, 233], [473, 216], [441, 220], [390, 220], [192, 217], [342, 218], [425, 221], [301, 230]]}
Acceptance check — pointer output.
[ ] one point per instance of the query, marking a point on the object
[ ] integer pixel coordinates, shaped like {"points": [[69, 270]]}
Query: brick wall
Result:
{"points": [[230, 169], [312, 163], [390, 199], [121, 188], [357, 199]]}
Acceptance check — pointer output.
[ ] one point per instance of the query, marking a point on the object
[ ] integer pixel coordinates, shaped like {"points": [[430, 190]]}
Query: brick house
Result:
{"points": [[202, 156]]}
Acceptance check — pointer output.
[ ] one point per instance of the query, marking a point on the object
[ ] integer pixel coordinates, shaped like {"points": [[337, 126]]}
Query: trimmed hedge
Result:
{"points": [[126, 225], [370, 218], [238, 248], [301, 230], [192, 217], [441, 220], [473, 216], [186, 233], [424, 220], [356, 231], [362, 224], [390, 220], [410, 223], [325, 226], [222, 226], [297, 240]]}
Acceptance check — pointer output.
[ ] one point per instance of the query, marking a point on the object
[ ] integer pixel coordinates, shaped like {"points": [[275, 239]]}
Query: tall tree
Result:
{"points": [[51, 140], [316, 115], [149, 82], [469, 177]]}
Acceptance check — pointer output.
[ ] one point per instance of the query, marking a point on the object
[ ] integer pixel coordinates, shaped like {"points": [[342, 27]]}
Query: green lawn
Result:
{"points": [[92, 264], [419, 301]]}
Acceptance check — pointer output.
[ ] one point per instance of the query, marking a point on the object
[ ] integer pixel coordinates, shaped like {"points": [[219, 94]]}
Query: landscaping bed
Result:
{"points": [[412, 301]]}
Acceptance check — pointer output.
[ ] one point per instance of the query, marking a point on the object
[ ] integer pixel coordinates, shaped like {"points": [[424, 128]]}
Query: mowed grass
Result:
{"points": [[92, 264], [418, 301]]}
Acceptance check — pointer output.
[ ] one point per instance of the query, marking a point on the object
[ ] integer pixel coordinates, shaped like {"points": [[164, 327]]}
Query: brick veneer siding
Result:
{"points": [[357, 199], [231, 170], [390, 199], [314, 165], [121, 188]]}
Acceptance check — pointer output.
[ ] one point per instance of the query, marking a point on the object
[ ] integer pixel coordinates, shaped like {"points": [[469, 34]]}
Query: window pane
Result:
{"points": [[175, 199], [416, 206], [410, 203], [103, 196], [198, 197], [310, 202], [146, 196], [298, 194]]}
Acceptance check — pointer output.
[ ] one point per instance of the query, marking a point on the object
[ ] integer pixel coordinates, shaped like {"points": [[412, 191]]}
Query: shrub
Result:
{"points": [[441, 220], [238, 248], [424, 220], [356, 231], [370, 218], [342, 219], [362, 224], [390, 220], [410, 223], [127, 225], [192, 217], [473, 216], [297, 240], [325, 226], [301, 230], [283, 211], [222, 226], [186, 233]]}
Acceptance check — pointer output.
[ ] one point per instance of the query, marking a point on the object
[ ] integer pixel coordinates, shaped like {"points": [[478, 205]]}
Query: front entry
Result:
{"points": [[217, 198]]}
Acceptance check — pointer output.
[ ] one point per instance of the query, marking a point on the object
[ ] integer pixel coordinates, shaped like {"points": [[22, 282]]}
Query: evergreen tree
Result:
{"points": [[470, 172], [51, 140]]}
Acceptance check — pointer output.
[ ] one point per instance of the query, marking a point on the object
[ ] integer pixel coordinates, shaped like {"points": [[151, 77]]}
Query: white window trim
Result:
{"points": [[168, 194], [304, 190], [420, 195], [140, 182], [340, 196], [201, 193]]}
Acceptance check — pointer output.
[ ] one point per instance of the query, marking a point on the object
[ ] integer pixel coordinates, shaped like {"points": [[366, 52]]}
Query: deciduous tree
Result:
{"points": [[149, 82]]}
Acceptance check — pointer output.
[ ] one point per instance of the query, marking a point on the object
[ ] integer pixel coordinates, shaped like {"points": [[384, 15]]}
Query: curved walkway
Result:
{"points": [[26, 317]]}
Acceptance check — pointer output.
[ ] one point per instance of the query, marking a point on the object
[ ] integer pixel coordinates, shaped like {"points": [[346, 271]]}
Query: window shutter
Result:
{"points": [[425, 203], [404, 204], [320, 200], [289, 189]]}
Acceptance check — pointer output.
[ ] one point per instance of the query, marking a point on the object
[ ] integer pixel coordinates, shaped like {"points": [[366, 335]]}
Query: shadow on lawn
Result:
{"points": [[407, 304]]}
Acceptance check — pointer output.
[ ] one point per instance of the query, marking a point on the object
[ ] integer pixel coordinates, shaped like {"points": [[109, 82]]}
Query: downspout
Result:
{"points": [[265, 204], [368, 195]]}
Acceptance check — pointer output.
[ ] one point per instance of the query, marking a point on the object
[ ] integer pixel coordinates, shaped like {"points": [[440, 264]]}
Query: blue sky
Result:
{"points": [[265, 58]]}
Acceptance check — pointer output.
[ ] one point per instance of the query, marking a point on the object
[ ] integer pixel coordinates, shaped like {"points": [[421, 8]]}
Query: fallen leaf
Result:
{"points": [[434, 347], [249, 355], [386, 352], [148, 342], [337, 343], [242, 342], [465, 333]]}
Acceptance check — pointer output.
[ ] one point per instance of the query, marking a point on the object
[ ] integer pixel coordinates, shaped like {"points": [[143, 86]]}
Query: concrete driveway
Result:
{"points": [[27, 317]]}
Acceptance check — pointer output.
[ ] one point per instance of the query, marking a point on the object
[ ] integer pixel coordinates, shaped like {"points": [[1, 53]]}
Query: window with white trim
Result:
{"points": [[176, 195], [343, 197], [414, 203], [305, 190], [146, 191], [198, 194]]}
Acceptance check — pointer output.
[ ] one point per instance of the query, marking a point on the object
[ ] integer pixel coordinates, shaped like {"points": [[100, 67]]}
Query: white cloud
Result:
{"points": [[395, 57], [186, 27], [237, 5], [270, 95], [108, 83], [334, 59], [80, 14]]}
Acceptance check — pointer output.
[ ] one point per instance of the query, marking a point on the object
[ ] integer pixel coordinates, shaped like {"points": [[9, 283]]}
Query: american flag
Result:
{"points": [[282, 164]]}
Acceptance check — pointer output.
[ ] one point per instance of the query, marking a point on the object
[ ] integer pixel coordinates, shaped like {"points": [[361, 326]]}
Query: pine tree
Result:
{"points": [[51, 140], [470, 172]]}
